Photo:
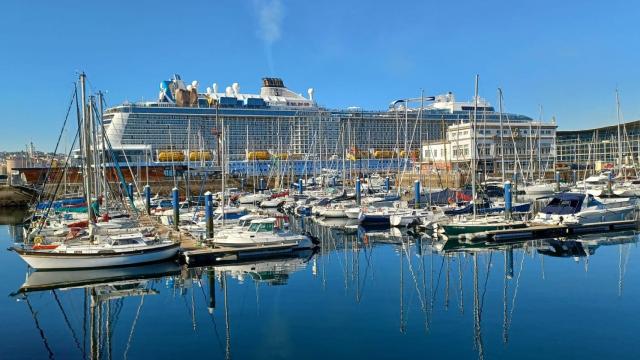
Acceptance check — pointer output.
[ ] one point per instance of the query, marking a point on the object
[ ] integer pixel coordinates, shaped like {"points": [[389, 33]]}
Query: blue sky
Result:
{"points": [[567, 56]]}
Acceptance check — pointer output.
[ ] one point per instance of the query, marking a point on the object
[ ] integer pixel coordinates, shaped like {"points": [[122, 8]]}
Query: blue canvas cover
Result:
{"points": [[564, 204]]}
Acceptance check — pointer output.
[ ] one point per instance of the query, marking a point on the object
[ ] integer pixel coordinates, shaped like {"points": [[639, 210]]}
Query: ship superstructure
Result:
{"points": [[186, 124]]}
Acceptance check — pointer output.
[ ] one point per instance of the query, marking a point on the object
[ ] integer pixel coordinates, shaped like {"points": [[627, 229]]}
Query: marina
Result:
{"points": [[275, 179], [495, 297]]}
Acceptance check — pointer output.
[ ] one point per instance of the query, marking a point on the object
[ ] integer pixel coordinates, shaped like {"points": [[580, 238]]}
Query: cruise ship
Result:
{"points": [[186, 124]]}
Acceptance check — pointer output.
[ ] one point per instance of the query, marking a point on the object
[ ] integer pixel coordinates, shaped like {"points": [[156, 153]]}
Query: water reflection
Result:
{"points": [[411, 286], [104, 292]]}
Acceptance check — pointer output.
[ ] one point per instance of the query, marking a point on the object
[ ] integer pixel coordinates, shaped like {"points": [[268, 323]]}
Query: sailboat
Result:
{"points": [[474, 224], [97, 250]]}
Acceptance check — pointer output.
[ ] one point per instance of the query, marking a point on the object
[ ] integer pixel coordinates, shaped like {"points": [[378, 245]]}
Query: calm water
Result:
{"points": [[364, 295]]}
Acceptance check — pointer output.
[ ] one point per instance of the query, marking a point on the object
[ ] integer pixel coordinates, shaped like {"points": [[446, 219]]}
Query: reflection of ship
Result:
{"points": [[47, 280]]}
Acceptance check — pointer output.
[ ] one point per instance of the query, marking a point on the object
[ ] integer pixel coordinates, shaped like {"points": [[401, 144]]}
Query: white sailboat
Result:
{"points": [[117, 250], [97, 250]]}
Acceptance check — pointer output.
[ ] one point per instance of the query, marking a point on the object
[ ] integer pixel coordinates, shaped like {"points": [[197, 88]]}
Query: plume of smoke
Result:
{"points": [[270, 14]]}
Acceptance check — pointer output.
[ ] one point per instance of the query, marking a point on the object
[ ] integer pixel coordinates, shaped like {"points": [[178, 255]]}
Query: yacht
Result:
{"points": [[264, 232], [580, 208], [416, 216], [627, 189]]}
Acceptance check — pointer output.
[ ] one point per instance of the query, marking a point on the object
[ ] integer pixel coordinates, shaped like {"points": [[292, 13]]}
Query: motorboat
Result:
{"points": [[596, 185], [264, 232], [229, 217], [256, 198], [243, 224], [540, 189], [335, 210], [353, 212], [627, 189], [580, 208], [416, 216], [272, 203]]}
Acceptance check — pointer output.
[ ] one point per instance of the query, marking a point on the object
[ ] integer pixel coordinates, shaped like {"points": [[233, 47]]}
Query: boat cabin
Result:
{"points": [[564, 204], [264, 225], [128, 240]]}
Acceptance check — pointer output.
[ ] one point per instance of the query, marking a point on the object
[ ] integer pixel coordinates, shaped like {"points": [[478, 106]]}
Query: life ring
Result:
{"points": [[38, 240]]}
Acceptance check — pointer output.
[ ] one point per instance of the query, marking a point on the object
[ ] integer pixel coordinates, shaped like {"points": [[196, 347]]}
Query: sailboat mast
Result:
{"points": [[501, 134], [619, 136], [474, 148], [103, 152], [223, 167], [86, 147]]}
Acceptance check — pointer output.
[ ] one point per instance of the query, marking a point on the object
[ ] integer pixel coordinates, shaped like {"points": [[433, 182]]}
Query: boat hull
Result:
{"points": [[233, 242], [42, 260], [352, 213], [459, 229], [333, 213]]}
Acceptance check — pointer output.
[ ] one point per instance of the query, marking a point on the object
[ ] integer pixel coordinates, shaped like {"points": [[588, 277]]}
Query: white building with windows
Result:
{"points": [[529, 146]]}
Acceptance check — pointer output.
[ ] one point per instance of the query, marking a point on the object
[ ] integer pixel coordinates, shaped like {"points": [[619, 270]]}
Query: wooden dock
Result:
{"points": [[560, 230]]}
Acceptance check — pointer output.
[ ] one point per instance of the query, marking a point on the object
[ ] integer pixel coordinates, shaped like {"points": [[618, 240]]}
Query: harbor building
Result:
{"points": [[528, 147], [598, 148]]}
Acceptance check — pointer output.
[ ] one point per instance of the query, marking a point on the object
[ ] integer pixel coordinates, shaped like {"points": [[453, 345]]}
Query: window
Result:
{"points": [[261, 227]]}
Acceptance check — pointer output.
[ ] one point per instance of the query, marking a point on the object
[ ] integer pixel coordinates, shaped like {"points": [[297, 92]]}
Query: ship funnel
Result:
{"points": [[236, 88], [215, 88], [310, 92]]}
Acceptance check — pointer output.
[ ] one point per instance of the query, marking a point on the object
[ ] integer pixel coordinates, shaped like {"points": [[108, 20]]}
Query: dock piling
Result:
{"points": [[358, 194], [557, 181], [130, 191], [208, 213], [147, 199], [507, 199], [175, 202], [515, 186], [416, 189]]}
